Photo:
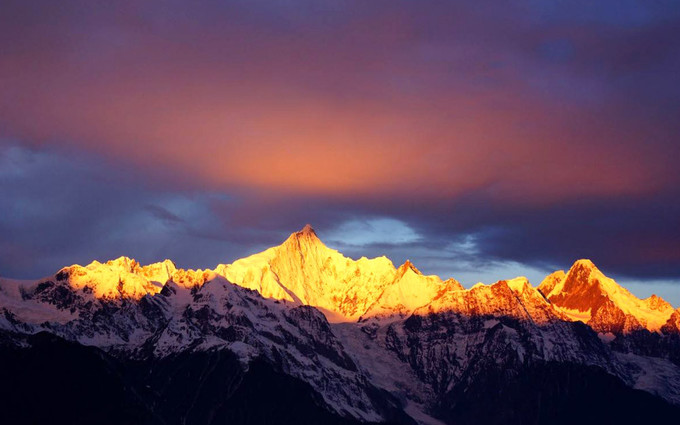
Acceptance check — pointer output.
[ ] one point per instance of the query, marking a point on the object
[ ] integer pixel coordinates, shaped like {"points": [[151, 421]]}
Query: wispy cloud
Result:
{"points": [[461, 136]]}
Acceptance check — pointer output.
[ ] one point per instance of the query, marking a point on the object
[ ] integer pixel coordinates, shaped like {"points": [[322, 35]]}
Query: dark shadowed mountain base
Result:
{"points": [[58, 382], [553, 393]]}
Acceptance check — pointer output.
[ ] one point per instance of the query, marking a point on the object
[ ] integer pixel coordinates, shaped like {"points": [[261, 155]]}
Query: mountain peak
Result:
{"points": [[404, 268], [655, 302], [518, 284], [304, 270], [583, 274], [302, 241], [584, 293], [308, 230], [583, 264], [306, 234], [124, 262]]}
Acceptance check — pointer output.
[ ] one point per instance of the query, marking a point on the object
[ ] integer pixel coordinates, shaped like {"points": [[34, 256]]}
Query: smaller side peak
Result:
{"points": [[551, 281], [655, 302], [519, 284], [584, 263], [169, 263], [408, 265], [501, 286], [557, 274], [120, 262], [672, 326], [166, 264], [519, 280], [453, 284], [122, 259]]}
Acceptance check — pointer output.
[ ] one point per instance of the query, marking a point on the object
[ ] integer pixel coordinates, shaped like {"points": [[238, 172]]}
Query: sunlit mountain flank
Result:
{"points": [[367, 341]]}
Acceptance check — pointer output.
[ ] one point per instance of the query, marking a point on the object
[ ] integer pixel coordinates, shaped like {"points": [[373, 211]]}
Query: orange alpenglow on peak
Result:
{"points": [[584, 263], [308, 230], [408, 265], [585, 294], [304, 271], [304, 237], [409, 291]]}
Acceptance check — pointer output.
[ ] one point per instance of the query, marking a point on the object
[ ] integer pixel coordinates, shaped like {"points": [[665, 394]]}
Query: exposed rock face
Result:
{"points": [[305, 271], [409, 291], [584, 293], [363, 340], [673, 324]]}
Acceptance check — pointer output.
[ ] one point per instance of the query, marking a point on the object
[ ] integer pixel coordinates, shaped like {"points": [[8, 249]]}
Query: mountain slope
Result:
{"points": [[305, 271], [338, 341], [409, 291], [584, 293], [59, 382]]}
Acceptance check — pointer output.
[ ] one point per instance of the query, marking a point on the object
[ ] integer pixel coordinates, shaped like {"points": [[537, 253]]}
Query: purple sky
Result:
{"points": [[479, 139]]}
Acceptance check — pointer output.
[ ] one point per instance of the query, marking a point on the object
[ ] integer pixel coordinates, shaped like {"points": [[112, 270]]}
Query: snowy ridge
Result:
{"points": [[418, 338], [584, 293], [409, 291], [304, 271]]}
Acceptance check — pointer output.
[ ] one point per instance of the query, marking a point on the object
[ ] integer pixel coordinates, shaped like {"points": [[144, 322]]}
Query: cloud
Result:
{"points": [[540, 131], [163, 214], [373, 231], [439, 99], [62, 207]]}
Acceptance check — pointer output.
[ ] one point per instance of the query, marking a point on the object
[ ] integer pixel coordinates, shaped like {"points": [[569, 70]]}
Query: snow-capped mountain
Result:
{"points": [[356, 340], [305, 271], [584, 293]]}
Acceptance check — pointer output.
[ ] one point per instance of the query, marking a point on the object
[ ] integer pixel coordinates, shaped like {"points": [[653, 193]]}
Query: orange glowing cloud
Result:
{"points": [[380, 109]]}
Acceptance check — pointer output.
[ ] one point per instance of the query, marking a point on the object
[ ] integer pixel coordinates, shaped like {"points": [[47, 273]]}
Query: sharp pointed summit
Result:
{"points": [[304, 270], [409, 291], [307, 230], [304, 237], [306, 233], [406, 267]]}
